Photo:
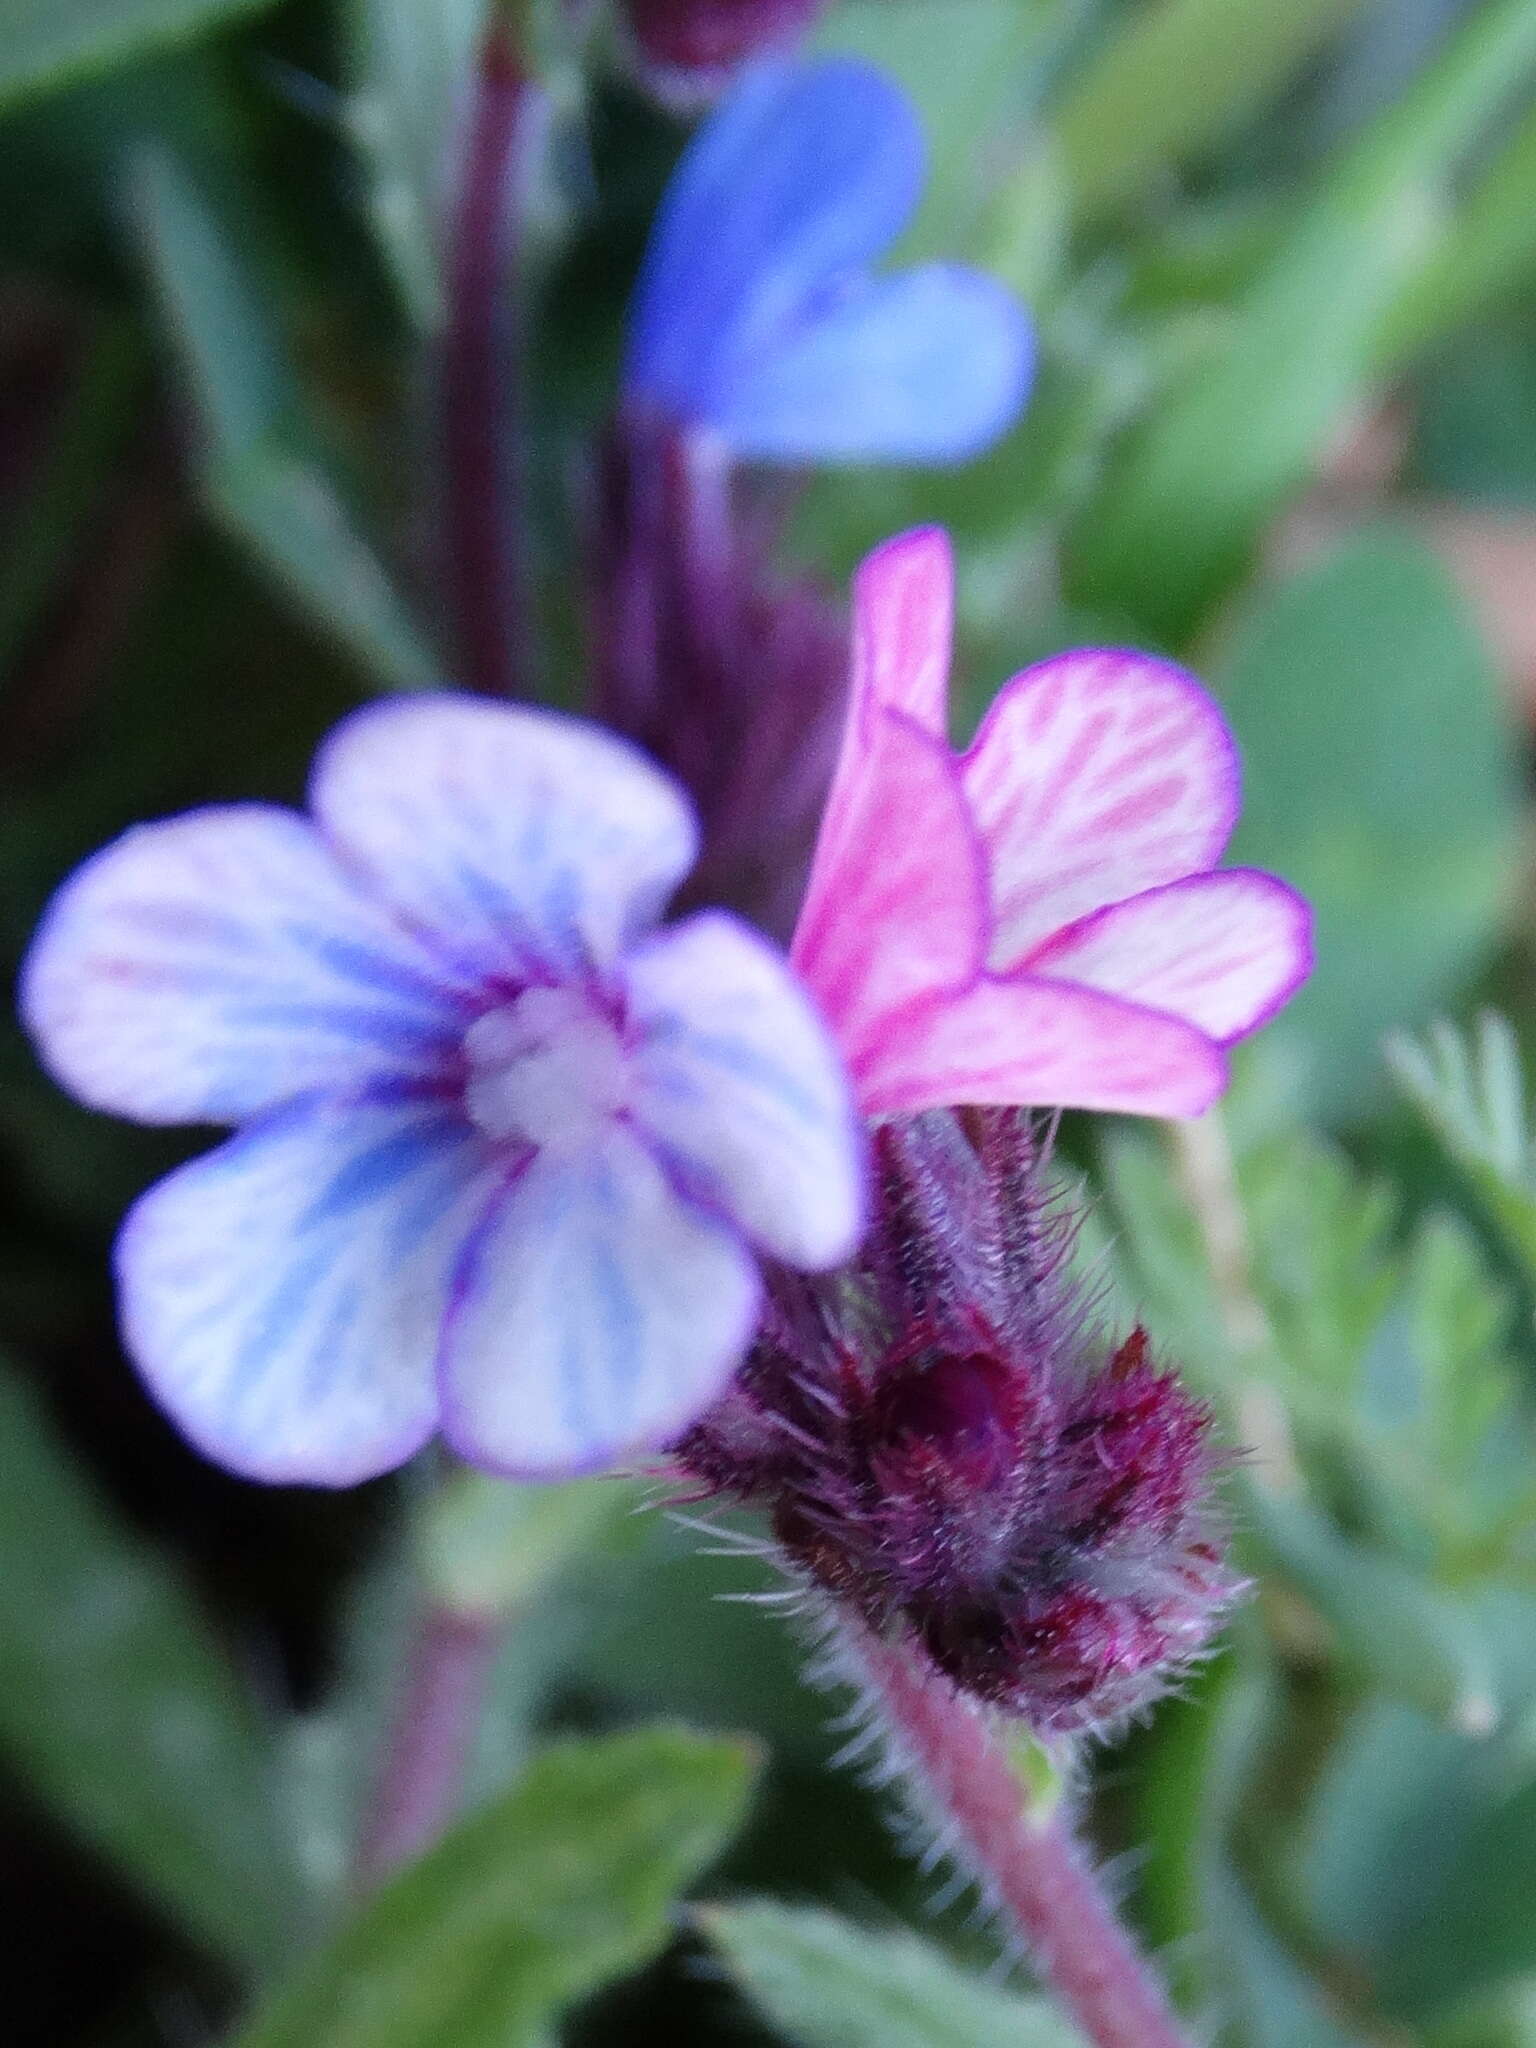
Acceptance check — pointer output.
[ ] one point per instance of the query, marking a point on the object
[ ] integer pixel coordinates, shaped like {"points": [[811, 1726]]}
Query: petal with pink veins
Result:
{"points": [[1095, 776], [1223, 950], [1030, 1041], [522, 843], [283, 1295], [896, 906], [736, 1078], [218, 964], [597, 1313]]}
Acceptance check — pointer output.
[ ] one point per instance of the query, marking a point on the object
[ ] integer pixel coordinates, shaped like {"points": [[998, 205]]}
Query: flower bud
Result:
{"points": [[689, 48], [943, 1441]]}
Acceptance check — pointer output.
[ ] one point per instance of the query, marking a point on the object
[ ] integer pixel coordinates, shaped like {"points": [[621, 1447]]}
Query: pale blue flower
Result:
{"points": [[507, 1152]]}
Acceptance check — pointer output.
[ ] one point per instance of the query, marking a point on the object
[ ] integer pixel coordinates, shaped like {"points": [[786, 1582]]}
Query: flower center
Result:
{"points": [[547, 1067]]}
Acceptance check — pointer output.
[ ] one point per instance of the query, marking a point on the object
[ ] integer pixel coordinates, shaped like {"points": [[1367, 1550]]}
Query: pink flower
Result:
{"points": [[1039, 919], [508, 1151]]}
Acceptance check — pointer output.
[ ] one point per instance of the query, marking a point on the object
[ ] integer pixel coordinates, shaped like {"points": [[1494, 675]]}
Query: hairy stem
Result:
{"points": [[426, 1753], [480, 395], [1031, 1867]]}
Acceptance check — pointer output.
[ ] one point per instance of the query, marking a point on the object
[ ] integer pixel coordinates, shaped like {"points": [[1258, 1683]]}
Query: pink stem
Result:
{"points": [[427, 1751], [1035, 1870], [480, 398]]}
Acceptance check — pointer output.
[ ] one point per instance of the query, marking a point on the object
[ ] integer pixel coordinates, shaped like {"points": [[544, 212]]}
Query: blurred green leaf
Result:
{"points": [[1469, 1087], [825, 1982], [1474, 430], [263, 465], [119, 1711], [1421, 1859], [411, 68], [1381, 779], [1175, 77], [1395, 1629], [1488, 247], [492, 1545], [49, 43], [1195, 485], [525, 1906]]}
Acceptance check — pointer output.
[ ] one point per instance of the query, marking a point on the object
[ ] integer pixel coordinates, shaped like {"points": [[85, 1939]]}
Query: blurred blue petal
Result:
{"points": [[930, 365], [756, 315]]}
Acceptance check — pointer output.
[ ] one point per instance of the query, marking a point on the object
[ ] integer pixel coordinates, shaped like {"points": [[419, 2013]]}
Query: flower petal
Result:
{"points": [[805, 173], [1223, 951], [521, 841], [930, 365], [1031, 1041], [903, 625], [597, 1313], [221, 963], [896, 904], [740, 1085], [1096, 775], [283, 1296]]}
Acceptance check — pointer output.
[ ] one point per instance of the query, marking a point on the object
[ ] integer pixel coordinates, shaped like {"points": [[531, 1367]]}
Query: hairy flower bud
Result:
{"points": [[942, 1440], [689, 48]]}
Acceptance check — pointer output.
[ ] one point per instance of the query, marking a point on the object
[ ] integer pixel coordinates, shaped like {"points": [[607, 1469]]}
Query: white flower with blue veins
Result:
{"points": [[509, 1152]]}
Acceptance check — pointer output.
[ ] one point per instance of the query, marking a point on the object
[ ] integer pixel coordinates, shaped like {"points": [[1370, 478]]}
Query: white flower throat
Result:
{"points": [[548, 1068]]}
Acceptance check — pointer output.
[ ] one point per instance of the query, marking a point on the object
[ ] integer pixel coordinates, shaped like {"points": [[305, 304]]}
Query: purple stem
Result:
{"points": [[1034, 1870], [480, 376], [427, 1751]]}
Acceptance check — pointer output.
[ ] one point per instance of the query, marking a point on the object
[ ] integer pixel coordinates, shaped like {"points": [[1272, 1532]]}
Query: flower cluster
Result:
{"points": [[942, 1440]]}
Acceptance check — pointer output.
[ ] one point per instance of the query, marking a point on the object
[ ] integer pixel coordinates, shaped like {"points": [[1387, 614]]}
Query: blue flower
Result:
{"points": [[759, 317], [507, 1151]]}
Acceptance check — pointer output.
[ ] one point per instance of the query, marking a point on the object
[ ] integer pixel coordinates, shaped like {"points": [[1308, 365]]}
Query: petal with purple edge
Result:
{"points": [[805, 174], [597, 1313], [221, 963], [929, 365], [1030, 1041], [283, 1295], [1223, 950], [737, 1081], [1094, 776], [896, 905], [522, 842]]}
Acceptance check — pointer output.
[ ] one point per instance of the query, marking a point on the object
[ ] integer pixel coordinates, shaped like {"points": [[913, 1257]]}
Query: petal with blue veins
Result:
{"points": [[220, 963], [598, 1312], [803, 176], [283, 1296], [929, 365], [523, 844], [737, 1080]]}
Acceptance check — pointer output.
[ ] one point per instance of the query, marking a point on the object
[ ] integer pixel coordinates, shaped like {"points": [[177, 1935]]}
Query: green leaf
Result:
{"points": [[1176, 77], [1420, 1861], [825, 1982], [49, 43], [120, 1713], [1195, 485], [410, 68], [1393, 1628], [1381, 779], [527, 1905], [492, 1545], [263, 464], [1470, 1089]]}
